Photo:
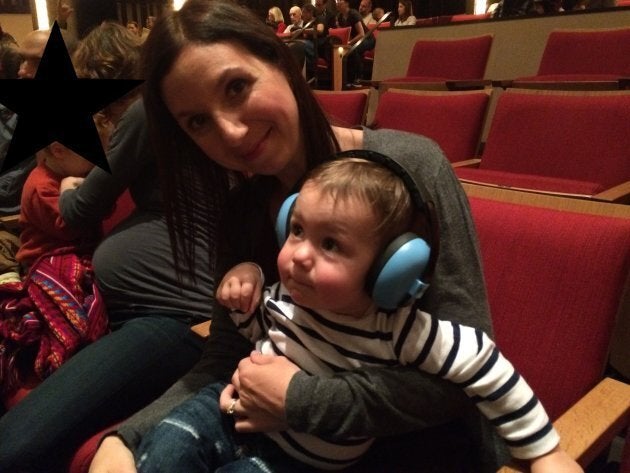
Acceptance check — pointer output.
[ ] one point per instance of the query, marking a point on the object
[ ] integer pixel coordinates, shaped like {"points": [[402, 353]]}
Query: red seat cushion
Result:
{"points": [[551, 277]]}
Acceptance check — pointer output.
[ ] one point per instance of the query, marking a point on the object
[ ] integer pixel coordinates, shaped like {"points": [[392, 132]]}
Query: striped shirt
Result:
{"points": [[323, 343]]}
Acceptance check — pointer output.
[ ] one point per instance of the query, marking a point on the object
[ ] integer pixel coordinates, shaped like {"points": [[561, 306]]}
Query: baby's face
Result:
{"points": [[329, 251]]}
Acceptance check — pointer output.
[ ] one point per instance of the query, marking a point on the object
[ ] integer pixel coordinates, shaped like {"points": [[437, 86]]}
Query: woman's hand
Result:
{"points": [[113, 456], [260, 382]]}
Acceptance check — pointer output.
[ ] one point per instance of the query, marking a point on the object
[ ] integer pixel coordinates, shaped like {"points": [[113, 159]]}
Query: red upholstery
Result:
{"points": [[453, 120], [124, 207], [342, 33], [452, 59], [344, 108], [554, 281], [582, 137], [470, 17], [584, 55]]}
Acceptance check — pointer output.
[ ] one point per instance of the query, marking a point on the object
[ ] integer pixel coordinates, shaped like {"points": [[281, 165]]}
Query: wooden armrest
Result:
{"points": [[468, 84], [467, 163], [591, 424], [9, 222], [619, 194], [567, 84], [202, 329], [502, 83]]}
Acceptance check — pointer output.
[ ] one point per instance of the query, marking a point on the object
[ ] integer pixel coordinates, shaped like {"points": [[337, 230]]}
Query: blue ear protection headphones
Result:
{"points": [[400, 271]]}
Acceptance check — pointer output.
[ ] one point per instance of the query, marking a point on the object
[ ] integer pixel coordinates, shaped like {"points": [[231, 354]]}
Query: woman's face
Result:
{"points": [[401, 9], [238, 109]]}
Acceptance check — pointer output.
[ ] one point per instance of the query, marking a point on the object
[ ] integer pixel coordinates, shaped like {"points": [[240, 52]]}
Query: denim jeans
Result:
{"points": [[103, 383], [197, 437]]}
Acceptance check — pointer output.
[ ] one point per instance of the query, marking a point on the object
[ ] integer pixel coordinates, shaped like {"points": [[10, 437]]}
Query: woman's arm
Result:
{"points": [[128, 157]]}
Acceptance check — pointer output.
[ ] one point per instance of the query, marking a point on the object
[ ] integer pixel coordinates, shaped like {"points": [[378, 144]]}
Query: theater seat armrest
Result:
{"points": [[467, 163], [202, 329], [591, 424], [9, 222], [619, 194]]}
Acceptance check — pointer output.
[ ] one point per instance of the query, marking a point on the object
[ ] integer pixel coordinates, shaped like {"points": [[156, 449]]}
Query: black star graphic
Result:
{"points": [[56, 106]]}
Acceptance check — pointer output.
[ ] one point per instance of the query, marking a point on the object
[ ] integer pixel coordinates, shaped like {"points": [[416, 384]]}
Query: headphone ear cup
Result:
{"points": [[283, 221], [396, 275]]}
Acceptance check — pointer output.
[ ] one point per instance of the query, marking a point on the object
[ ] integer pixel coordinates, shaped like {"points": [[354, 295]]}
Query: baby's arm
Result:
{"points": [[469, 358], [241, 288]]}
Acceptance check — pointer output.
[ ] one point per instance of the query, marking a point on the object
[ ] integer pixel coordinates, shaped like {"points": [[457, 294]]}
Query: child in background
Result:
{"points": [[327, 315], [43, 229]]}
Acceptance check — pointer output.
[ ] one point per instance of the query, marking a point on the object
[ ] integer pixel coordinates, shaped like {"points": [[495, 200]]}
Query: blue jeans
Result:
{"points": [[103, 383], [197, 437]]}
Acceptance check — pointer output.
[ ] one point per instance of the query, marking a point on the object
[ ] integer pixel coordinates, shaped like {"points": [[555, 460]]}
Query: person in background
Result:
{"points": [[213, 74], [347, 16], [365, 9], [295, 13], [377, 14], [275, 19], [133, 27], [405, 14], [43, 229]]}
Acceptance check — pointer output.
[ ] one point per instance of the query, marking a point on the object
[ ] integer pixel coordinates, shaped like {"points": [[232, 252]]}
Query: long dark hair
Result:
{"points": [[180, 161]]}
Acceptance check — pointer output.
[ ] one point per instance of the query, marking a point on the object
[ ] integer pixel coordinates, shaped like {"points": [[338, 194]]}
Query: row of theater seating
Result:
{"points": [[547, 299], [564, 142]]}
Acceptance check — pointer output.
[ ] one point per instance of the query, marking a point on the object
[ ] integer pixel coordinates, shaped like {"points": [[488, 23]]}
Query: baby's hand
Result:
{"points": [[70, 183], [556, 461], [241, 288]]}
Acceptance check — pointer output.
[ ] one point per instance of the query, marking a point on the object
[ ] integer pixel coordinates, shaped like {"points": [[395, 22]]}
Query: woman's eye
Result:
{"points": [[197, 122], [328, 244], [236, 87]]}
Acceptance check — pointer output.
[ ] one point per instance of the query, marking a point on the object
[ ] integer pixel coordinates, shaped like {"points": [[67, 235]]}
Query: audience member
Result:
{"points": [[151, 306], [365, 9], [377, 14], [275, 19], [212, 53], [327, 11], [43, 230], [295, 13], [347, 16], [148, 25], [314, 37], [325, 299], [405, 14], [133, 27]]}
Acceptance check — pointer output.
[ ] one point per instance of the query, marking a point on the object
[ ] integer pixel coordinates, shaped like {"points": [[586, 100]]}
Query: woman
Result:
{"points": [[405, 14], [347, 16], [275, 19], [150, 309], [213, 74]]}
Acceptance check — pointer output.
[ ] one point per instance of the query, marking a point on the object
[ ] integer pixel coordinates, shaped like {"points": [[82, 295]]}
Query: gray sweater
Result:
{"points": [[375, 402], [134, 265]]}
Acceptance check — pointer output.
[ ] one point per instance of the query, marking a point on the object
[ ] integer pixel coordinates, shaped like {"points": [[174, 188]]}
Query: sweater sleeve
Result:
{"points": [[385, 401], [127, 157]]}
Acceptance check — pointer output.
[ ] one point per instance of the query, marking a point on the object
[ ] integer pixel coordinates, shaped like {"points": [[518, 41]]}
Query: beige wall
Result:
{"points": [[17, 25], [517, 46]]}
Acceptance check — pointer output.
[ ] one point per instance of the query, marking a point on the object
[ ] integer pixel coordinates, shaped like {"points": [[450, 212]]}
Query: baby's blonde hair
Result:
{"points": [[372, 183]]}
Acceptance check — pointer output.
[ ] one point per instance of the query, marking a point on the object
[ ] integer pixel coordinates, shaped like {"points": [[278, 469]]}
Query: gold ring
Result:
{"points": [[230, 410]]}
